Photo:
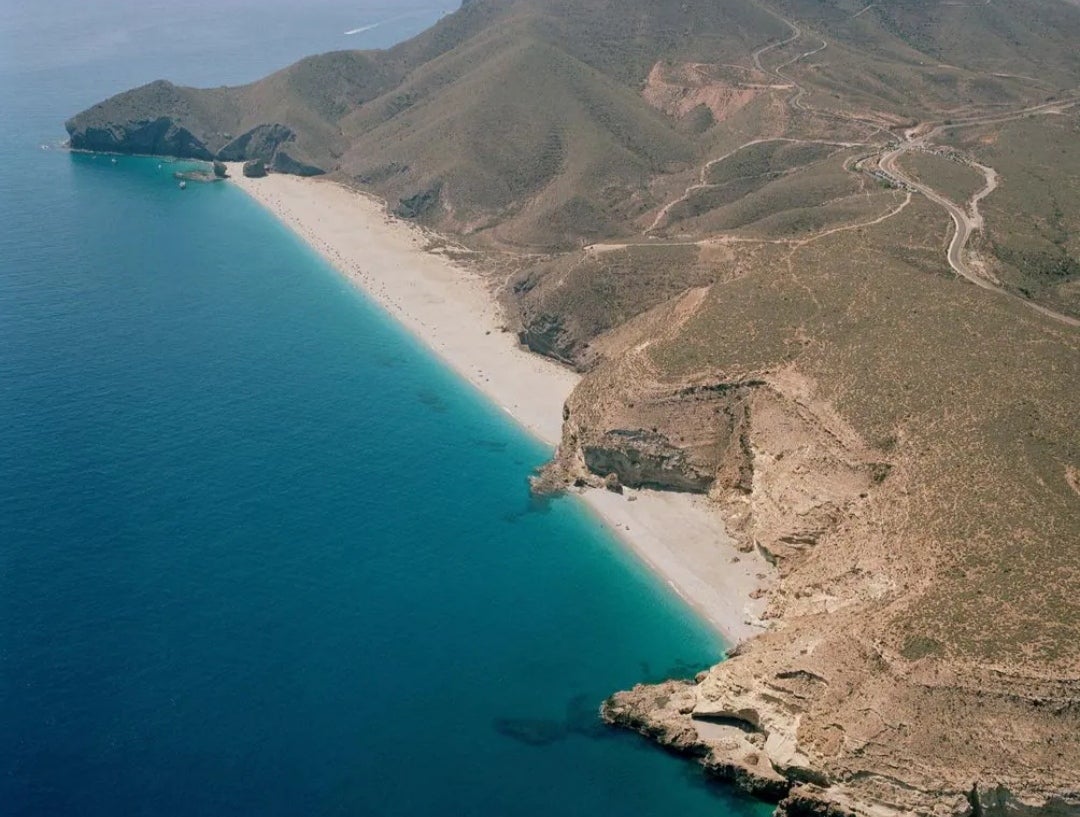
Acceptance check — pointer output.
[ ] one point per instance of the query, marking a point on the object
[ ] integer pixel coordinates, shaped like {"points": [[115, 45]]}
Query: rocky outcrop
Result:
{"points": [[255, 169], [820, 719], [750, 723], [220, 170], [164, 137], [810, 801], [418, 204], [275, 145], [729, 745], [158, 119], [999, 801], [691, 439], [284, 162], [640, 458], [261, 142], [612, 483], [744, 729], [546, 334]]}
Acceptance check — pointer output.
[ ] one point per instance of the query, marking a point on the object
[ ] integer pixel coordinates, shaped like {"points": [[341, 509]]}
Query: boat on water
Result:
{"points": [[183, 185]]}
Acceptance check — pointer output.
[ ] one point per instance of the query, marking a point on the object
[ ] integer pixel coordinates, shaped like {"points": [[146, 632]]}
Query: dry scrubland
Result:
{"points": [[692, 203], [951, 177], [1032, 241]]}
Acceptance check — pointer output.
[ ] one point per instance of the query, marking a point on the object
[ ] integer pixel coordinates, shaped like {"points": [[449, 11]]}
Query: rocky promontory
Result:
{"points": [[162, 119], [856, 698], [826, 745]]}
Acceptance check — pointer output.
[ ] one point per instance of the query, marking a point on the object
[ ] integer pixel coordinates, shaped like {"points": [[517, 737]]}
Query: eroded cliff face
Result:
{"points": [[783, 468], [828, 713], [837, 709], [160, 136], [273, 144]]}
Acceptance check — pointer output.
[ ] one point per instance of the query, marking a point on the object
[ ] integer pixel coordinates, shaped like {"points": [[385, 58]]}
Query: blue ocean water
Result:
{"points": [[260, 553]]}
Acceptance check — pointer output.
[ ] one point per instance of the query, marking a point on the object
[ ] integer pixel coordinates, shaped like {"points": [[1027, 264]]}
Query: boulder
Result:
{"points": [[220, 171], [611, 482], [255, 169]]}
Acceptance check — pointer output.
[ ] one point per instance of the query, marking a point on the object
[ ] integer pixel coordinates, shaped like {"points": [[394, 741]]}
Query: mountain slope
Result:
{"points": [[522, 143]]}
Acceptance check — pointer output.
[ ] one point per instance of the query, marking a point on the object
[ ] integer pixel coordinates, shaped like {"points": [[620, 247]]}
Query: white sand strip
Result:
{"points": [[682, 537], [451, 309], [445, 305]]}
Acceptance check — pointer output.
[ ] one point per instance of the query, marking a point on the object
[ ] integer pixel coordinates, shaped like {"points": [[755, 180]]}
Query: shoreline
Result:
{"points": [[452, 311]]}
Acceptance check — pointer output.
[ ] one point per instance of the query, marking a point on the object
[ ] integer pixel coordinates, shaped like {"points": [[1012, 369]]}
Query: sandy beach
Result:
{"points": [[451, 309]]}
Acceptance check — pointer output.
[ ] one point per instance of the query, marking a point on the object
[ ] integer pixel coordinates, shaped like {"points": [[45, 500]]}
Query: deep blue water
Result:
{"points": [[260, 553]]}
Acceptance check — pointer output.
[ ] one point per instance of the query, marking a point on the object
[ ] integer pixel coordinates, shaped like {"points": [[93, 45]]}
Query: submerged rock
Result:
{"points": [[196, 176]]}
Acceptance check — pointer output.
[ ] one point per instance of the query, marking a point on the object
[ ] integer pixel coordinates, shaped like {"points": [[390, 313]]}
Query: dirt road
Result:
{"points": [[966, 219]]}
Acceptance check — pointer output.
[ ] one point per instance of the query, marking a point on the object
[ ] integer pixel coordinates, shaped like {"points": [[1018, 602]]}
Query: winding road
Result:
{"points": [[966, 222], [966, 218]]}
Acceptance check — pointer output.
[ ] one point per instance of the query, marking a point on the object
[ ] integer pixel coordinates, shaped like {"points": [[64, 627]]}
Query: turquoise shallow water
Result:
{"points": [[260, 553]]}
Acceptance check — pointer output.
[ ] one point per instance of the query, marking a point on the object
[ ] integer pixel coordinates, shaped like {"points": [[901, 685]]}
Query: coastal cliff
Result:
{"points": [[689, 204], [880, 687]]}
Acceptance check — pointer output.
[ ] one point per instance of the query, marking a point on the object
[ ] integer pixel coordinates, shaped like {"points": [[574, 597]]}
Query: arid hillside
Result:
{"points": [[819, 262]]}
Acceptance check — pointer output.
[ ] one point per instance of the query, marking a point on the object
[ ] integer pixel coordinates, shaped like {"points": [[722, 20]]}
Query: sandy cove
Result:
{"points": [[451, 309]]}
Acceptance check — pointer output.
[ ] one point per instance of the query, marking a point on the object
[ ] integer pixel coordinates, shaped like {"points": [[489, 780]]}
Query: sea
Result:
{"points": [[260, 552]]}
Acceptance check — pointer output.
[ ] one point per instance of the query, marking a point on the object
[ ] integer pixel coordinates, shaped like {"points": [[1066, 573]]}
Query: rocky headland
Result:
{"points": [[161, 119]]}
